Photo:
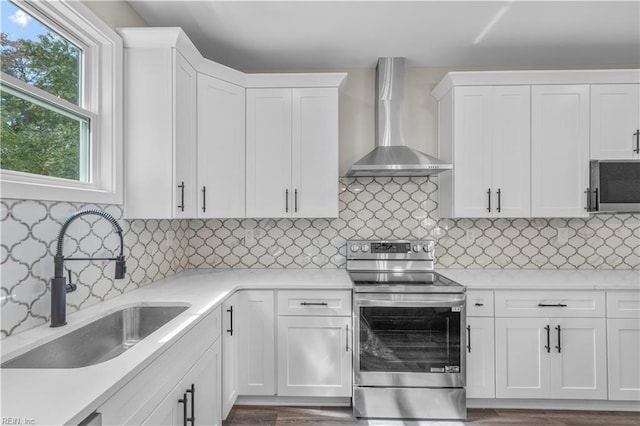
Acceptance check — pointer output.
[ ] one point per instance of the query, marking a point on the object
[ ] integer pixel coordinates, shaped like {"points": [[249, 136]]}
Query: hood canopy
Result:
{"points": [[391, 157]]}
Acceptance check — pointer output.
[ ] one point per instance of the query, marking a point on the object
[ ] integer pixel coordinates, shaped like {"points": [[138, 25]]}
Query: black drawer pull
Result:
{"points": [[555, 305], [314, 304], [478, 304]]}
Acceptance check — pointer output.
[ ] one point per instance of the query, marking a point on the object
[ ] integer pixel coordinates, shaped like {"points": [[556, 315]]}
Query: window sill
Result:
{"points": [[54, 191]]}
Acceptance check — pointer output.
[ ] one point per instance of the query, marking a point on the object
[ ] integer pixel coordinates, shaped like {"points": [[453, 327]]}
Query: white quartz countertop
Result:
{"points": [[67, 396], [543, 279]]}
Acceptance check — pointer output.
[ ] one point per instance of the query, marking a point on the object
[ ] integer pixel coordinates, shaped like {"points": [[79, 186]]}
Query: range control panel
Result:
{"points": [[399, 250]]}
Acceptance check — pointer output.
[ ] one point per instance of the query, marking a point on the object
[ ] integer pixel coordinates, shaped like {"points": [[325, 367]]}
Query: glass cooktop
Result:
{"points": [[404, 282]]}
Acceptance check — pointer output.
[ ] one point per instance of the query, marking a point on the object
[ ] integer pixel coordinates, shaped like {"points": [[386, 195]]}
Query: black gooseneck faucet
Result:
{"points": [[59, 287]]}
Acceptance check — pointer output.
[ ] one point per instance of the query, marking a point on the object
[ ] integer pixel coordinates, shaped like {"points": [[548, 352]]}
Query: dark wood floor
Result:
{"points": [[332, 416]]}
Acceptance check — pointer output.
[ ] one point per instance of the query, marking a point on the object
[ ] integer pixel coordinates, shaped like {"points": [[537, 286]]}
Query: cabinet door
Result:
{"points": [[559, 150], [472, 152], [230, 354], [481, 380], [315, 152], [314, 356], [578, 358], [256, 342], [185, 116], [203, 402], [615, 118], [522, 361], [624, 353], [269, 192], [511, 151], [221, 148]]}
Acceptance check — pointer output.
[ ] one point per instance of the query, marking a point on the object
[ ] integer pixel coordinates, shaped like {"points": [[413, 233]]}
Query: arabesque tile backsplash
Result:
{"points": [[369, 208]]}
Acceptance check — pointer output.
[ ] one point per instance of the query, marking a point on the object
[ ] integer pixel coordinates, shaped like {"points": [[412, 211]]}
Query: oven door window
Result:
{"points": [[409, 339]]}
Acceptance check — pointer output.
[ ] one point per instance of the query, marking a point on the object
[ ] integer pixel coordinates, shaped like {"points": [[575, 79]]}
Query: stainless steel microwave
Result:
{"points": [[614, 186]]}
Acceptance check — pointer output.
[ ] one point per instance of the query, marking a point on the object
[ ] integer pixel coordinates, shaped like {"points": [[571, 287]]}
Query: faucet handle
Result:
{"points": [[70, 287]]}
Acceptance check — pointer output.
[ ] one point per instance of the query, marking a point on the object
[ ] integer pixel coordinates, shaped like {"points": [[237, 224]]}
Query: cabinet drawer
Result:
{"points": [[314, 302], [550, 304], [624, 304], [480, 303]]}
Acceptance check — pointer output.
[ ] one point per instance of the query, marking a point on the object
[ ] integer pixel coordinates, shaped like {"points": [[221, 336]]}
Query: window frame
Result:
{"points": [[100, 101]]}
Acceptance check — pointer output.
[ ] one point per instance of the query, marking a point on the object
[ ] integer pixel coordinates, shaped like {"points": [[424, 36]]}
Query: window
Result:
{"points": [[61, 133]]}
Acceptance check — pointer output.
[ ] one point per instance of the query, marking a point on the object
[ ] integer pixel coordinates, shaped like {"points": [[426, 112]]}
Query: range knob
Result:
{"points": [[364, 248], [428, 247], [354, 248], [417, 248]]}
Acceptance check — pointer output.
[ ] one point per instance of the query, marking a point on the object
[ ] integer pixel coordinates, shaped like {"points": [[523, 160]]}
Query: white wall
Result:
{"points": [[116, 13]]}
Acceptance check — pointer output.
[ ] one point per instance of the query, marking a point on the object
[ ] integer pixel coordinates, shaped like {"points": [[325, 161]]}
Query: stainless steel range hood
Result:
{"points": [[391, 157]]}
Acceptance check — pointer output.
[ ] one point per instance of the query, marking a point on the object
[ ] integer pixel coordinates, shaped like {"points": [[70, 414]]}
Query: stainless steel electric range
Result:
{"points": [[409, 326]]}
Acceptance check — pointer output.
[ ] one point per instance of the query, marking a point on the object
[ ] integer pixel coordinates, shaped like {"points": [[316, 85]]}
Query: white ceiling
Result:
{"points": [[270, 35]]}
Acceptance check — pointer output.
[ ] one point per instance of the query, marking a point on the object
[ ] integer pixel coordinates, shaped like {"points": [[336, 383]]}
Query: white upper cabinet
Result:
{"points": [[292, 152], [490, 150], [315, 152], [221, 148], [520, 141], [205, 141], [160, 131], [615, 121], [269, 152], [559, 150]]}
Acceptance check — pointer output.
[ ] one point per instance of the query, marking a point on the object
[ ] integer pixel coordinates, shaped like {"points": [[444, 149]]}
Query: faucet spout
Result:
{"points": [[59, 287]]}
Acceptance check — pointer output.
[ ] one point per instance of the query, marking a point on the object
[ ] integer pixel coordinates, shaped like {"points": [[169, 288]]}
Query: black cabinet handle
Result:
{"points": [[559, 331], [469, 338], [314, 304], [548, 345], [554, 305], [192, 391], [286, 200], [181, 206], [295, 200], [489, 199], [347, 339], [499, 201], [183, 401], [588, 192], [637, 135], [204, 198], [478, 304], [230, 330]]}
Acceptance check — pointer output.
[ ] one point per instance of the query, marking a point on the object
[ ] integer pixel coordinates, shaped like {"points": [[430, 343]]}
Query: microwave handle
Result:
{"points": [[588, 192]]}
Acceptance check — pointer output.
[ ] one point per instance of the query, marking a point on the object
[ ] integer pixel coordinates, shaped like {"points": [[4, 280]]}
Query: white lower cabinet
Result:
{"points": [[481, 380], [196, 397], [256, 342], [229, 354], [624, 358], [623, 343], [152, 396], [314, 356], [562, 358]]}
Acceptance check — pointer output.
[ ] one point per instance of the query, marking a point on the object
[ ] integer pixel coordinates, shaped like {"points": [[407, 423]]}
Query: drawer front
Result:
{"points": [[623, 304], [576, 304], [480, 303], [314, 302]]}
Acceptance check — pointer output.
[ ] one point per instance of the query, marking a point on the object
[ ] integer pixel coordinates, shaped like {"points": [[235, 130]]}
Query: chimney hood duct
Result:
{"points": [[391, 157]]}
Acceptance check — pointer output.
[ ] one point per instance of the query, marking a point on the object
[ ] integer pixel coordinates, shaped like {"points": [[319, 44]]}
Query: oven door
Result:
{"points": [[409, 340]]}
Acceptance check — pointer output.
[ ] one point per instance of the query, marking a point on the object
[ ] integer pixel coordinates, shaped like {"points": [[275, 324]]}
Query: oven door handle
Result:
{"points": [[453, 301]]}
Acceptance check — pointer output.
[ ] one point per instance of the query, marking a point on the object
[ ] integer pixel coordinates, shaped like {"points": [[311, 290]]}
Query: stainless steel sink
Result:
{"points": [[98, 341]]}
